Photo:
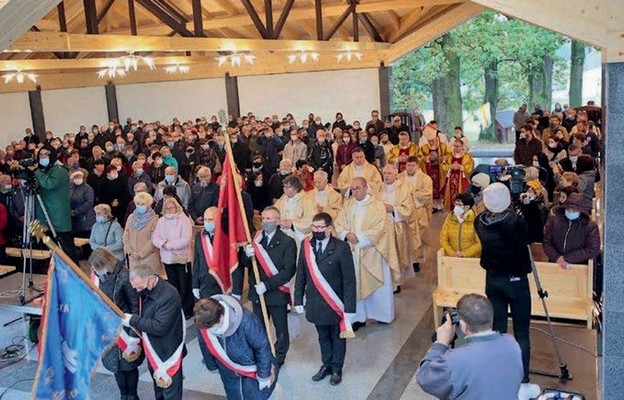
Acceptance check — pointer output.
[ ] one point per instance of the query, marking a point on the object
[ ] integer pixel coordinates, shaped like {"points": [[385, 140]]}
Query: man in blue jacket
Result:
{"points": [[234, 343], [487, 366]]}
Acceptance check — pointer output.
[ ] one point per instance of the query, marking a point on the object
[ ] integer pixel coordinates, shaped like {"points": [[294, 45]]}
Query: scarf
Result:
{"points": [[140, 220]]}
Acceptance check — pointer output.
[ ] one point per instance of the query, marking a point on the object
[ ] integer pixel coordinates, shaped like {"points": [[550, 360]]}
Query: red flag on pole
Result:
{"points": [[229, 231]]}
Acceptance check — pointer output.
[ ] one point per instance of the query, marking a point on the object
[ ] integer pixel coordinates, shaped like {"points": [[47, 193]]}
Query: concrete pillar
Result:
{"points": [[231, 94], [384, 90], [612, 369], [36, 112], [111, 102]]}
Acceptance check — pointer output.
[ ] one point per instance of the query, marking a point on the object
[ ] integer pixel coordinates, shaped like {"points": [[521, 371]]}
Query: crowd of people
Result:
{"points": [[343, 216]]}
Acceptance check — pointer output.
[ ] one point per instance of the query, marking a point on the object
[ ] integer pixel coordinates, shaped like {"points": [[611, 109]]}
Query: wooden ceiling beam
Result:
{"points": [[132, 18], [370, 28], [91, 19], [57, 41], [334, 10], [282, 18], [407, 22], [163, 15], [343, 17], [255, 18], [104, 11], [227, 7]]}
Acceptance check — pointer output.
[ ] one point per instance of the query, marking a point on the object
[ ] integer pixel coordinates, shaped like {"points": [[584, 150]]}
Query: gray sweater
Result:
{"points": [[112, 239], [486, 367]]}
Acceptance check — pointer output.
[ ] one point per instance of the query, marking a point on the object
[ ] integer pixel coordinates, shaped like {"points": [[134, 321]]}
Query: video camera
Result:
{"points": [[512, 176], [454, 320], [24, 174]]}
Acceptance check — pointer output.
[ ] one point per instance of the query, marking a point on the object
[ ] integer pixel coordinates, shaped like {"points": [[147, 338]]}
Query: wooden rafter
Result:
{"points": [[370, 28], [57, 41], [318, 9], [348, 11], [161, 12], [282, 18], [255, 18], [132, 17], [268, 12], [91, 19], [104, 10], [197, 18], [407, 22]]}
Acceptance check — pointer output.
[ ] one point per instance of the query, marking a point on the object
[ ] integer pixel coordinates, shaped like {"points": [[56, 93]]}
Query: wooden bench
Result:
{"points": [[35, 255], [569, 291]]}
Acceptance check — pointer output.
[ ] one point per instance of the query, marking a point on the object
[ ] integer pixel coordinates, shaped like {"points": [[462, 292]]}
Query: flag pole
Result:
{"points": [[39, 231], [263, 307]]}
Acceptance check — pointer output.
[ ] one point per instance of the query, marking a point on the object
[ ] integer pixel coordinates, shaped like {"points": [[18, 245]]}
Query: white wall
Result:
{"points": [[165, 100], [353, 92], [15, 116], [65, 110]]}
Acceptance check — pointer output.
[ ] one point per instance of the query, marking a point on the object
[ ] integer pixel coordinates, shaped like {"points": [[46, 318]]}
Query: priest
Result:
{"points": [[296, 210], [421, 190], [433, 154], [359, 167], [399, 205], [364, 224], [324, 196]]}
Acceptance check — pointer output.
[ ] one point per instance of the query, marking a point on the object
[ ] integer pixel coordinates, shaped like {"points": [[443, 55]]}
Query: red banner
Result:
{"points": [[227, 238]]}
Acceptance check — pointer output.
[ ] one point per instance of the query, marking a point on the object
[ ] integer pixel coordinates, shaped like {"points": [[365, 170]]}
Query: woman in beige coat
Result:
{"points": [[137, 237]]}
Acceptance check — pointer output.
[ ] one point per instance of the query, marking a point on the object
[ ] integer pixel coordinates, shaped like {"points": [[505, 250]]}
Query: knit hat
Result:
{"points": [[531, 173], [496, 197], [535, 185], [481, 180]]}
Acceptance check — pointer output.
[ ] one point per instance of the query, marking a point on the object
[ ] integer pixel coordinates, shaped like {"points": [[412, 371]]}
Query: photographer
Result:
{"points": [[505, 257], [53, 184], [487, 366]]}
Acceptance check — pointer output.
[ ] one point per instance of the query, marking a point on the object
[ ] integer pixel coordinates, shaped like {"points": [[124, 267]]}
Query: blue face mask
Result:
{"points": [[209, 227], [169, 179], [44, 162], [141, 209], [100, 218], [572, 215]]}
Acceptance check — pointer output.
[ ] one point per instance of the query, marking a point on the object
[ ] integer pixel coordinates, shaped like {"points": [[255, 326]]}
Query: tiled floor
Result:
{"points": [[381, 361]]}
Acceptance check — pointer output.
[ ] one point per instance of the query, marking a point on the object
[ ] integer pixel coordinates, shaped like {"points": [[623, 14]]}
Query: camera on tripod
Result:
{"points": [[512, 176], [452, 312], [25, 175]]}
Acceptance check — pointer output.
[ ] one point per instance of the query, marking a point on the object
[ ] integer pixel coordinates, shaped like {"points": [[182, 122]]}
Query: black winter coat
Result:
{"points": [[202, 279], [161, 318], [117, 287], [336, 266], [202, 198], [504, 239], [282, 250]]}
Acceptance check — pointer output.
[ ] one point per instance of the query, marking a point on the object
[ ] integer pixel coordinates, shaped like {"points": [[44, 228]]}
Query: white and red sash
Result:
{"points": [[215, 348], [164, 370], [266, 263], [130, 346], [326, 291]]}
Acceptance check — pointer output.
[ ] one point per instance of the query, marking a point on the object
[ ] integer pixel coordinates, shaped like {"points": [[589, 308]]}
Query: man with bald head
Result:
{"points": [[204, 194], [183, 190], [363, 222], [325, 197], [399, 205]]}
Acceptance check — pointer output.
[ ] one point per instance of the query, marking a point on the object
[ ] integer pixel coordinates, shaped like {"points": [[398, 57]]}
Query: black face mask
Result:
{"points": [[145, 293], [318, 236], [475, 190], [257, 165]]}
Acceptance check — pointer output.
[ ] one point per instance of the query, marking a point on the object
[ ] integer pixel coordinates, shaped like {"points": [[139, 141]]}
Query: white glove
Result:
{"points": [[237, 296], [349, 317], [261, 288], [126, 320], [196, 293], [299, 309], [264, 383], [249, 251], [214, 371]]}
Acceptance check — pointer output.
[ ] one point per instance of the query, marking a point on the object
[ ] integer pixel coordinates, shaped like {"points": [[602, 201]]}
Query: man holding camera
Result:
{"points": [[487, 366], [53, 184], [505, 257]]}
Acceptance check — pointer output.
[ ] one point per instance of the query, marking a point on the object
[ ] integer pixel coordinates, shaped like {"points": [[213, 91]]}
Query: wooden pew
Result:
{"points": [[36, 254], [569, 291]]}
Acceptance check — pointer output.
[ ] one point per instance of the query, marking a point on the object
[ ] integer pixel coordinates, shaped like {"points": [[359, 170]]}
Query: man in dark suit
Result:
{"points": [[335, 264], [161, 321], [276, 254], [204, 194], [204, 284]]}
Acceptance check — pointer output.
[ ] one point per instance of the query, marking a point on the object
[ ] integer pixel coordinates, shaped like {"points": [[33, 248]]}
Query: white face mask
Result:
{"points": [[458, 211], [536, 164]]}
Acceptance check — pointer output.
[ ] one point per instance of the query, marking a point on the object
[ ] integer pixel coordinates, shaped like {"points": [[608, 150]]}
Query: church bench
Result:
{"points": [[569, 291], [36, 254]]}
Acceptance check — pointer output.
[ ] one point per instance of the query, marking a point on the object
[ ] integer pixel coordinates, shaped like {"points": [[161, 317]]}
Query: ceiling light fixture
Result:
{"points": [[236, 59], [113, 68], [303, 56], [182, 69], [349, 56], [19, 76]]}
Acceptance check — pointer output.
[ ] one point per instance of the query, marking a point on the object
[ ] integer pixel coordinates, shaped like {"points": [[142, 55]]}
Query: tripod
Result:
{"points": [[564, 374], [29, 192]]}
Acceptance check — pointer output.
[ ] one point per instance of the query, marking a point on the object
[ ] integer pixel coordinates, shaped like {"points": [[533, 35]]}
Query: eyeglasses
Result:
{"points": [[319, 226], [356, 188]]}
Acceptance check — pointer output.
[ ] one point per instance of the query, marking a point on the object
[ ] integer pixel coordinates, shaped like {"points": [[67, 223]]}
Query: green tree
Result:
{"points": [[577, 59]]}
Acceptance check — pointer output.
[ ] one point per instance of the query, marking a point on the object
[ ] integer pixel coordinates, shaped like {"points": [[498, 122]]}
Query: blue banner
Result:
{"points": [[77, 326]]}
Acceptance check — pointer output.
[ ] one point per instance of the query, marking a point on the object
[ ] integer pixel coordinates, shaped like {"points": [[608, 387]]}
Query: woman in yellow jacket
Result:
{"points": [[458, 237]]}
